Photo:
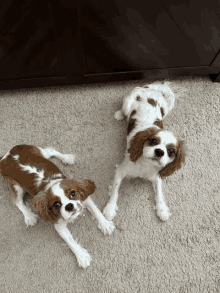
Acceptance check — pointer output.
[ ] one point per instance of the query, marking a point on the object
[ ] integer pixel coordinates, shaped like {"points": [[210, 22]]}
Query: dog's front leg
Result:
{"points": [[83, 257], [107, 227], [111, 207], [161, 207]]}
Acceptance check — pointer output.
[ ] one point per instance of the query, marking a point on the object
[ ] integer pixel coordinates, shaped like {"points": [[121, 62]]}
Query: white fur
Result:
{"points": [[82, 256], [5, 156], [16, 157], [107, 227], [29, 217], [31, 169], [50, 152], [145, 167]]}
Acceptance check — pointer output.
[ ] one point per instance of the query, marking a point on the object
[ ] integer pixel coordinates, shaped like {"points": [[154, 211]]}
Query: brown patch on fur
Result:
{"points": [[44, 202], [31, 156], [88, 188], [131, 122], [138, 98], [152, 102], [12, 182], [137, 143], [159, 123], [162, 111], [82, 190], [175, 164]]}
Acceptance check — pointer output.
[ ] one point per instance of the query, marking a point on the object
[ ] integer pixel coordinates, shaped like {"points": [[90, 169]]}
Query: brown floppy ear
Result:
{"points": [[86, 189], [176, 163], [137, 143], [41, 202]]}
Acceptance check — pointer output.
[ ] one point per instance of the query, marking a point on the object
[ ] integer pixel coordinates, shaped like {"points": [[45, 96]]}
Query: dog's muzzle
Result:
{"points": [[159, 153], [70, 208]]}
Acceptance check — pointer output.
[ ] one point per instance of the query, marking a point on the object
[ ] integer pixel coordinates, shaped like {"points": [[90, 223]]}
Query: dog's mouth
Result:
{"points": [[152, 159], [78, 209], [75, 214], [155, 159], [157, 162]]}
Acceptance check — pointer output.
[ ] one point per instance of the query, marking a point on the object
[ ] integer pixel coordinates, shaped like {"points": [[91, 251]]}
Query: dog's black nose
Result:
{"points": [[159, 153], [69, 207]]}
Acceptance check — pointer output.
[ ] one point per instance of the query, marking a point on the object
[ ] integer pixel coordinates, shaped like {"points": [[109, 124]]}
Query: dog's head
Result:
{"points": [[63, 199], [159, 147]]}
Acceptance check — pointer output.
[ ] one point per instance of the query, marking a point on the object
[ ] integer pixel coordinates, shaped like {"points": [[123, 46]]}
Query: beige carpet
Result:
{"points": [[143, 254]]}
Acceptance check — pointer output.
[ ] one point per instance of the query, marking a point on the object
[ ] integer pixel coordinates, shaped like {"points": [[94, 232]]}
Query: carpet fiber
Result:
{"points": [[143, 254]]}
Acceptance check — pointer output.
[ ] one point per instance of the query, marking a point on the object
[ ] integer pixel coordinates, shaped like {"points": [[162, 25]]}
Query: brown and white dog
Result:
{"points": [[57, 199], [152, 153]]}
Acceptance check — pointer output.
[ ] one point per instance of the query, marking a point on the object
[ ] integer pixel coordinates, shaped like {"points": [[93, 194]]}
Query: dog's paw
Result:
{"points": [[83, 258], [68, 159], [119, 115], [30, 219], [109, 211], [163, 212], [107, 227]]}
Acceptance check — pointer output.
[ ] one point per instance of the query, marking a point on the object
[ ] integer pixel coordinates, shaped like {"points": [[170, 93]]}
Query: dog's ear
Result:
{"points": [[44, 204], [88, 187], [177, 162], [137, 143]]}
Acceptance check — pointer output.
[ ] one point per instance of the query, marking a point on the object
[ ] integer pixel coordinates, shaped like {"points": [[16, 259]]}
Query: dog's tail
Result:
{"points": [[167, 92], [170, 90]]}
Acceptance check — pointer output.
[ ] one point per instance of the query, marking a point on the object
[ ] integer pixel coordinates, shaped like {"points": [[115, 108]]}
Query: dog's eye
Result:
{"points": [[171, 152], [152, 141], [72, 194], [57, 205]]}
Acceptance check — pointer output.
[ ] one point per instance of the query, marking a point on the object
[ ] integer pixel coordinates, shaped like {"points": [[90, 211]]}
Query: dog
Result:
{"points": [[56, 198], [152, 153]]}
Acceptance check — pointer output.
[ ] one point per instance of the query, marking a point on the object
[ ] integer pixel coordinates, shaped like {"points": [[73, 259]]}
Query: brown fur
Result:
{"points": [[27, 155], [137, 143], [175, 164], [162, 111], [159, 123], [152, 102], [88, 188], [131, 122], [83, 190], [44, 202]]}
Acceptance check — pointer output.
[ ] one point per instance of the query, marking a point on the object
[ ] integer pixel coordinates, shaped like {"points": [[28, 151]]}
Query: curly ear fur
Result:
{"points": [[176, 163], [87, 189], [137, 143], [43, 209]]}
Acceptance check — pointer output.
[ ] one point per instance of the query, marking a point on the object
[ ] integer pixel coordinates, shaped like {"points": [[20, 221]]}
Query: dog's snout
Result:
{"points": [[159, 153], [69, 207]]}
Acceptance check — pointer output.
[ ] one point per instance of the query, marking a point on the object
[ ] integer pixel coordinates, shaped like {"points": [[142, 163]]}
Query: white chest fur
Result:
{"points": [[142, 168]]}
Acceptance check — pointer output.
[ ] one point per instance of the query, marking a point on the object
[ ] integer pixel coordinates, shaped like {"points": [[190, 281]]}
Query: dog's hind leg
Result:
{"points": [[50, 152]]}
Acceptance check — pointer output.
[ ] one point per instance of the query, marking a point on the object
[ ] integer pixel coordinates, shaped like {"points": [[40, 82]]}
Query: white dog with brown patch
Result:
{"points": [[57, 199], [152, 153]]}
